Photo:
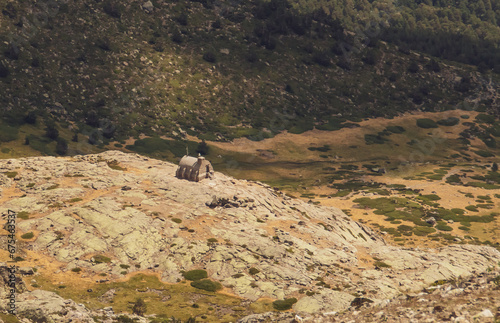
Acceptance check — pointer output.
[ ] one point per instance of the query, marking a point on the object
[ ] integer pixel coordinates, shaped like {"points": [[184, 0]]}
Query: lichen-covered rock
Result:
{"points": [[167, 225]]}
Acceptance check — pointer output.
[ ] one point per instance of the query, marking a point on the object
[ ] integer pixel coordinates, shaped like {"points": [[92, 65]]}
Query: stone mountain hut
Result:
{"points": [[194, 169]]}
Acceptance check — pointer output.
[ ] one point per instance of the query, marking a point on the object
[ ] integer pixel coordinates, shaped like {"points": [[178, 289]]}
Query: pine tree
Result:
{"points": [[61, 146], [202, 148], [51, 131]]}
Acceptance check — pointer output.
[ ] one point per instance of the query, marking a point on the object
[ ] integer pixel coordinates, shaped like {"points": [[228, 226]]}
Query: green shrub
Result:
{"points": [[207, 284], [139, 307], [210, 57], [212, 240], [28, 235], [76, 270], [4, 71], [23, 215], [426, 123], [485, 118], [443, 227], [374, 139], [253, 271], [453, 179], [451, 121], [484, 153], [283, 305], [176, 220], [429, 197], [237, 275], [323, 149], [99, 259], [196, 274], [395, 129], [381, 264], [423, 231], [11, 174], [124, 266]]}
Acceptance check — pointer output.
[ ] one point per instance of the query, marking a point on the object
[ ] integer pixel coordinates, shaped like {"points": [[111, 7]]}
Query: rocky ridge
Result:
{"points": [[134, 211]]}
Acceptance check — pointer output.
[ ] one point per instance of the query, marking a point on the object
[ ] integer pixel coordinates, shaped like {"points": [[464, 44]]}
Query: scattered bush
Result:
{"points": [[283, 305], [485, 118], [11, 174], [374, 139], [28, 235], [443, 227], [177, 37], [451, 121], [139, 307], [484, 153], [76, 269], [99, 259], [381, 264], [113, 9], [210, 57], [253, 271], [196, 274], [206, 284], [395, 129], [413, 67], [212, 240], [23, 215], [176, 220], [4, 71], [426, 123]]}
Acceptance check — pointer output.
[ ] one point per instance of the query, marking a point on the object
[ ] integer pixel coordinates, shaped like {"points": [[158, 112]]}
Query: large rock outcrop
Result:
{"points": [[249, 236]]}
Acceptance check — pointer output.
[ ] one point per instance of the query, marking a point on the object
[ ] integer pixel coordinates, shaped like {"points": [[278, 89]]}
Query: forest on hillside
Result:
{"points": [[218, 69]]}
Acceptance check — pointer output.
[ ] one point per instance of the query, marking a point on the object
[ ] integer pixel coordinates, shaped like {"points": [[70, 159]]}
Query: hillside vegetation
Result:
{"points": [[225, 69]]}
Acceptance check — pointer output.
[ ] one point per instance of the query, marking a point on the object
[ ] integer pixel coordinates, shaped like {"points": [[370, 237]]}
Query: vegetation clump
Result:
{"points": [[196, 274], [28, 235], [99, 259], [283, 305], [426, 123], [207, 284]]}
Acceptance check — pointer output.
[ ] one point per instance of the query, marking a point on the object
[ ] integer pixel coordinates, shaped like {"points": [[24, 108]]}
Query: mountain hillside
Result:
{"points": [[219, 70], [87, 224]]}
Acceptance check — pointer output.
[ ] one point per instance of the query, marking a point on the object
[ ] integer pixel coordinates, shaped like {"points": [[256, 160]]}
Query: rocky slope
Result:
{"points": [[252, 238]]}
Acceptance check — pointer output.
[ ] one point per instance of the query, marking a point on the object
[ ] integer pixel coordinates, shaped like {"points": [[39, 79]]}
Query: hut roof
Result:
{"points": [[188, 161]]}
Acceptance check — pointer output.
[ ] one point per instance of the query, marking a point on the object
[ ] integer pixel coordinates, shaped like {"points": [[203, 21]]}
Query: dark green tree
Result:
{"points": [[139, 307], [61, 146], [51, 131], [202, 148], [494, 167], [30, 117]]}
